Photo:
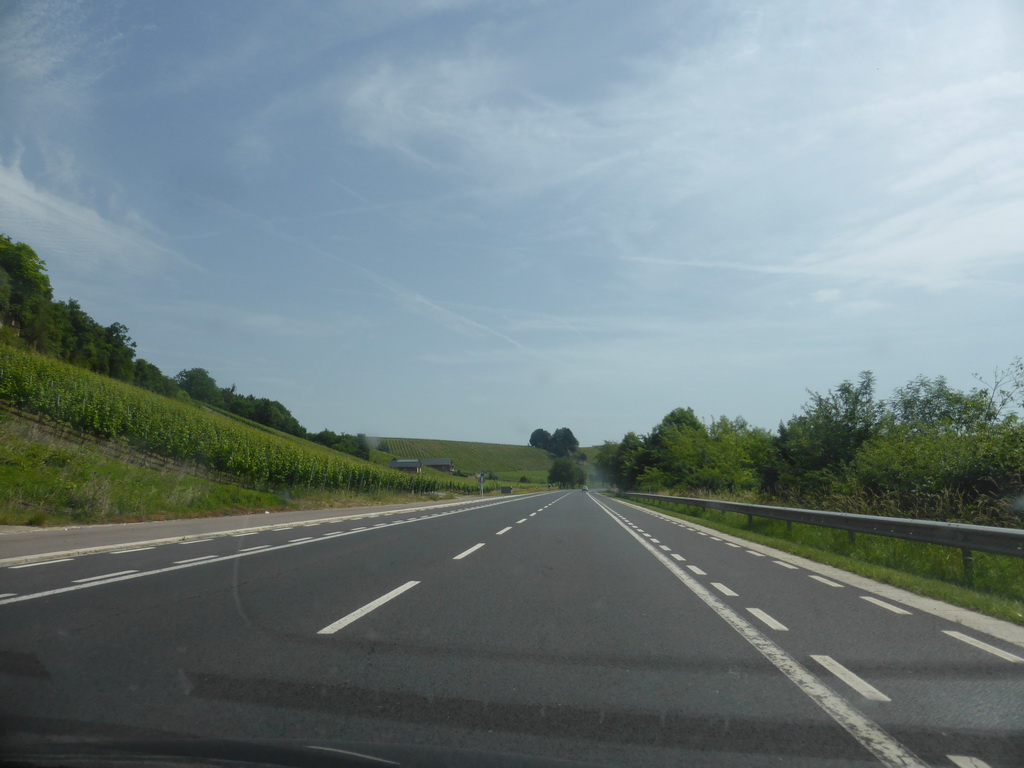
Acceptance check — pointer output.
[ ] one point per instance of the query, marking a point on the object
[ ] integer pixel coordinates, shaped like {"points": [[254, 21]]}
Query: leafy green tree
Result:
{"points": [[200, 385], [565, 473], [540, 438], [563, 442]]}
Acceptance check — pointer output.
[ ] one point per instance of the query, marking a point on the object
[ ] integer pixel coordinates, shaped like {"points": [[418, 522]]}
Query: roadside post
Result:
{"points": [[481, 479]]}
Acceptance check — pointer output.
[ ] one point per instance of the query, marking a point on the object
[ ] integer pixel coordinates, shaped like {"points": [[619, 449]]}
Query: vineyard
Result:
{"points": [[111, 409], [472, 457]]}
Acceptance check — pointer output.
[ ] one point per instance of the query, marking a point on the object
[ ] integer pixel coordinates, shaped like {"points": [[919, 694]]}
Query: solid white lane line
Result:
{"points": [[859, 684], [724, 589], [679, 557], [253, 549], [469, 551], [296, 541], [43, 562], [194, 541], [889, 751], [330, 629], [964, 761], [332, 535], [123, 551], [520, 521], [983, 646], [883, 604], [823, 580], [360, 755], [696, 570], [503, 530], [195, 559], [768, 620], [240, 535], [662, 546], [784, 564], [755, 554], [104, 576]]}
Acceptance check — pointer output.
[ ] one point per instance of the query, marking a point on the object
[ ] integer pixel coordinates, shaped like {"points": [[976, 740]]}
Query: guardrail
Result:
{"points": [[967, 538]]}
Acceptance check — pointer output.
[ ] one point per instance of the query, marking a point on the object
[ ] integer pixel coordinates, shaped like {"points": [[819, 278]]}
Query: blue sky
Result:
{"points": [[466, 220]]}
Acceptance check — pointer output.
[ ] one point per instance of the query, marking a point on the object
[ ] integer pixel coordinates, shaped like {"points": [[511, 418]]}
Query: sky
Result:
{"points": [[466, 220]]}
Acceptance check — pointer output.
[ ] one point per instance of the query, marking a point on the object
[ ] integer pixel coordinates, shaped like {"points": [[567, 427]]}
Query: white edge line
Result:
{"points": [[380, 760], [330, 629], [8, 562], [983, 646], [102, 576], [859, 684], [965, 761], [868, 733], [469, 551], [42, 562], [15, 598]]}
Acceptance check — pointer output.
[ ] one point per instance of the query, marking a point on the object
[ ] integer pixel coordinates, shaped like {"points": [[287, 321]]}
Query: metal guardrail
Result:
{"points": [[967, 538]]}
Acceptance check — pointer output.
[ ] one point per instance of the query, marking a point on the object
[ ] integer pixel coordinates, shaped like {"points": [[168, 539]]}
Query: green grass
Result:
{"points": [[469, 457], [927, 569]]}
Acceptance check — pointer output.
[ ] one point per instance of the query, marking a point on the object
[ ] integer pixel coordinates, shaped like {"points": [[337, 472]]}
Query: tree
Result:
{"points": [[565, 473], [563, 442], [540, 438], [200, 385]]}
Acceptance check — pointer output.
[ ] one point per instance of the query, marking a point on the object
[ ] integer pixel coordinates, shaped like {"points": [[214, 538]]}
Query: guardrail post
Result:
{"points": [[852, 537], [968, 557], [789, 526], [750, 521]]}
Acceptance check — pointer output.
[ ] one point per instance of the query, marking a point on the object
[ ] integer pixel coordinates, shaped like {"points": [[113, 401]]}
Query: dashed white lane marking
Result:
{"points": [[360, 528], [520, 521], [125, 551], [647, 536], [859, 684], [724, 589], [44, 562], [332, 535], [195, 559], [889, 751], [8, 594], [983, 646], [662, 546], [823, 580], [330, 629], [104, 576], [296, 541], [964, 761], [193, 541], [768, 620], [679, 557], [503, 530], [784, 564], [883, 604], [714, 538], [469, 551], [730, 544], [278, 530], [247, 533], [655, 541], [755, 554], [253, 549], [532, 514], [696, 570]]}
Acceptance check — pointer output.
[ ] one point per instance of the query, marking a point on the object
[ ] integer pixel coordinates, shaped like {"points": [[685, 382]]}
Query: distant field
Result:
{"points": [[473, 457]]}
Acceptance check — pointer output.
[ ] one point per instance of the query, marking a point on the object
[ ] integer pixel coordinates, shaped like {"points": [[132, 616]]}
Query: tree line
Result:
{"points": [[929, 450], [31, 319]]}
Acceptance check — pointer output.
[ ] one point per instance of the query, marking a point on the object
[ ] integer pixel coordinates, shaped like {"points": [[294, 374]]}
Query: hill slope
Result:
{"points": [[470, 457]]}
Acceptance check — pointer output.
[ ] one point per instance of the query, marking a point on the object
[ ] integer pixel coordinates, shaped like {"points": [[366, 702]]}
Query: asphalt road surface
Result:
{"points": [[563, 626]]}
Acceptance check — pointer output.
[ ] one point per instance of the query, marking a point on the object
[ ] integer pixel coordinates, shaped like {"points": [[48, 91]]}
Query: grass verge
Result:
{"points": [[48, 481], [925, 569]]}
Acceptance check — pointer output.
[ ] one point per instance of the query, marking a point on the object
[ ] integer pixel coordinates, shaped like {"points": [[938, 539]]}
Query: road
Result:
{"points": [[562, 626]]}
